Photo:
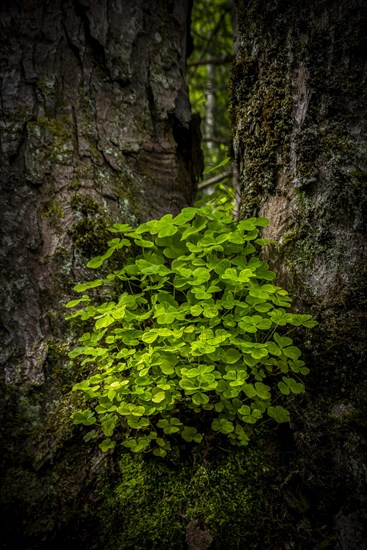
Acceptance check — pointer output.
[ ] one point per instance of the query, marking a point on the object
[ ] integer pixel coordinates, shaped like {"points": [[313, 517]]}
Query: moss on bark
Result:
{"points": [[316, 201]]}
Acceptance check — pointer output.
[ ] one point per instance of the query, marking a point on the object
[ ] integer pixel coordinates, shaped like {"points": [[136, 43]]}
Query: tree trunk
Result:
{"points": [[300, 137], [95, 127]]}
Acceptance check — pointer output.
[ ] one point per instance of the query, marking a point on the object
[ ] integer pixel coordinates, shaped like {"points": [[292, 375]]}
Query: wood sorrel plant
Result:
{"points": [[196, 327]]}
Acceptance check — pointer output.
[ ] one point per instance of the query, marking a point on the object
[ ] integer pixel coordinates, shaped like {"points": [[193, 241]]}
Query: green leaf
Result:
{"points": [[175, 421], [171, 430], [244, 410], [230, 274], [279, 317], [222, 425], [150, 336], [137, 445], [236, 378], [85, 417], [284, 388], [197, 225], [264, 273], [249, 419], [292, 352], [262, 390], [86, 286], [107, 444], [282, 341], [189, 384], [201, 294], [92, 434], [232, 356], [108, 425], [247, 225], [165, 318], [191, 434], [121, 228], [200, 398], [273, 348], [196, 310], [293, 385], [159, 397], [279, 413], [138, 423], [163, 423], [96, 262], [160, 452], [210, 312], [222, 266], [143, 243], [137, 410], [74, 303], [261, 222], [167, 231], [310, 324], [249, 390], [104, 321], [166, 367], [185, 216], [76, 352], [258, 351]]}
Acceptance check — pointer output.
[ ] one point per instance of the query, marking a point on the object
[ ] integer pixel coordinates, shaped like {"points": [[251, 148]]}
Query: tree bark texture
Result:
{"points": [[95, 128], [299, 95]]}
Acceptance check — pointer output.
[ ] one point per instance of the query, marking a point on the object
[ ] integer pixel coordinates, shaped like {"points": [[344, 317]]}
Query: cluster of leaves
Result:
{"points": [[196, 330]]}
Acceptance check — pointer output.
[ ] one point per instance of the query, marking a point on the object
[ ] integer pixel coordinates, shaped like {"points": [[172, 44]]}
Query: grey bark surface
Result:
{"points": [[300, 138], [95, 128]]}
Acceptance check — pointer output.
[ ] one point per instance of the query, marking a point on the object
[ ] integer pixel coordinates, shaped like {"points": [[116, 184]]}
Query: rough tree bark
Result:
{"points": [[95, 127], [300, 138]]}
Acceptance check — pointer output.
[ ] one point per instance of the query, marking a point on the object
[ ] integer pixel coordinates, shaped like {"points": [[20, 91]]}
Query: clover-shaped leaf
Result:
{"points": [[222, 425], [85, 417], [200, 398], [137, 445], [191, 434], [232, 356], [159, 396], [107, 444], [170, 426], [262, 390], [138, 423], [108, 425], [92, 434], [190, 384], [288, 385], [236, 378], [279, 413]]}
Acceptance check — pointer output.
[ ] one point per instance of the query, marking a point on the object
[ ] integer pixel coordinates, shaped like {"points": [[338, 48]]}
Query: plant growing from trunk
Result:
{"points": [[193, 329]]}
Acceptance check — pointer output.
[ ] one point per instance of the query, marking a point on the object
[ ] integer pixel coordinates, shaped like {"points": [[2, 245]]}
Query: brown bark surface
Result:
{"points": [[95, 127], [300, 137]]}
